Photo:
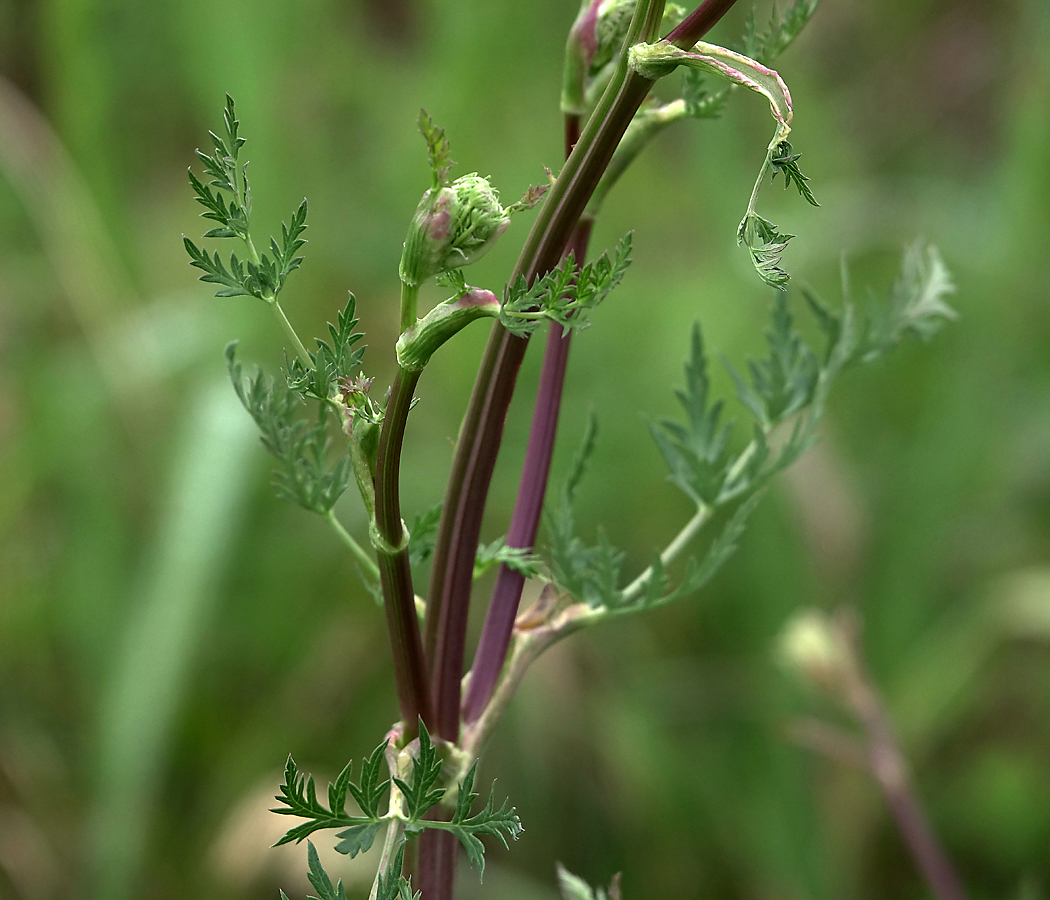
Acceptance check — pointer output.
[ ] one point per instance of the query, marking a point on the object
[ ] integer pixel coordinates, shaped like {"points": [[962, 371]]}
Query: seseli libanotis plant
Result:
{"points": [[419, 781]]}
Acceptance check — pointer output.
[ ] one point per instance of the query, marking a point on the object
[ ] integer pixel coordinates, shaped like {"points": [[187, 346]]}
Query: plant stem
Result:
{"points": [[394, 832], [890, 769], [409, 305], [391, 543], [528, 644], [278, 311], [482, 430], [362, 471], [300, 350], [671, 552], [503, 607], [526, 647], [437, 855], [368, 565], [694, 26]]}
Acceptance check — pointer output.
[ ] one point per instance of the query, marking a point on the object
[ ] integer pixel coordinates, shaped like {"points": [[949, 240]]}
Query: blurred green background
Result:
{"points": [[169, 631]]}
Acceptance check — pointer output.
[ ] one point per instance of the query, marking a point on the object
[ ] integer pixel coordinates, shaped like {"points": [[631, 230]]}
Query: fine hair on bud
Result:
{"points": [[453, 226]]}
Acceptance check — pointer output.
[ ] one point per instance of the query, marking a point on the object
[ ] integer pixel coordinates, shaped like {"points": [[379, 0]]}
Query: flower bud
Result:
{"points": [[594, 40], [814, 647], [610, 29], [452, 227]]}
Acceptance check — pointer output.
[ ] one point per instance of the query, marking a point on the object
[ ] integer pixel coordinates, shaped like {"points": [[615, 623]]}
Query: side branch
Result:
{"points": [[391, 543]]}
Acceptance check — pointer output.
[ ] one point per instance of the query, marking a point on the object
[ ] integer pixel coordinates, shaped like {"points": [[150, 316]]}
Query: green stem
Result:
{"points": [[252, 252], [394, 833], [753, 201], [409, 305], [368, 565], [300, 350], [527, 646], [670, 554]]}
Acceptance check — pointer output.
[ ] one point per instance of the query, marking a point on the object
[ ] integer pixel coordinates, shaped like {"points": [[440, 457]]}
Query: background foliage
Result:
{"points": [[169, 631]]}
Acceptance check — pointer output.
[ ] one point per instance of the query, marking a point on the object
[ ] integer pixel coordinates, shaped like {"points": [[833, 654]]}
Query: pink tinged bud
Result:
{"points": [[453, 228], [585, 30], [440, 219], [612, 22]]}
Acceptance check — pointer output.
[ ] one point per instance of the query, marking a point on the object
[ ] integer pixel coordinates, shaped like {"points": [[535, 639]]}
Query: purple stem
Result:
{"points": [[890, 769], [503, 608], [437, 856], [694, 26]]}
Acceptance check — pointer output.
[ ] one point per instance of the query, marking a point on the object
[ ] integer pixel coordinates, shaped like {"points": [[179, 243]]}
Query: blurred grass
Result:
{"points": [[928, 505]]}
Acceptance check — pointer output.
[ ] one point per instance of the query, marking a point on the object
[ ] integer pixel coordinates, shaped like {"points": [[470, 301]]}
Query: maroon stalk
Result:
{"points": [[435, 870], [694, 26], [395, 573], [506, 594]]}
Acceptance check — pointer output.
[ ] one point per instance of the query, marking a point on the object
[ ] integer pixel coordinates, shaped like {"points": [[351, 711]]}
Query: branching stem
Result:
{"points": [[300, 349], [480, 436], [673, 550], [394, 834], [369, 569]]}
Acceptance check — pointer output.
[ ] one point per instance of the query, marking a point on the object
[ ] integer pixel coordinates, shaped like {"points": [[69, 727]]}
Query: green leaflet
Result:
{"points": [[439, 151], [298, 797], [567, 294], [521, 560], [261, 275], [303, 476], [766, 45]]}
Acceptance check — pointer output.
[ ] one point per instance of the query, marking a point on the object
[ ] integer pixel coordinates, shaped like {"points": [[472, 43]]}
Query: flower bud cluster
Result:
{"points": [[453, 226]]}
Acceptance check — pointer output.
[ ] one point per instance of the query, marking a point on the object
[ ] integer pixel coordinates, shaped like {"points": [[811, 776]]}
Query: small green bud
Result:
{"points": [[452, 227], [813, 646]]}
